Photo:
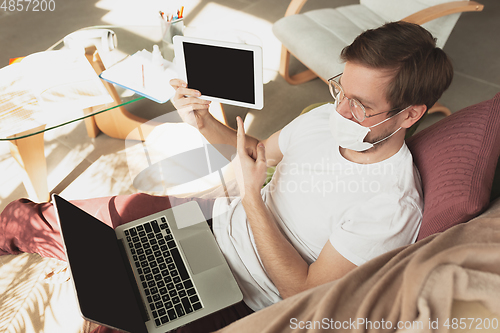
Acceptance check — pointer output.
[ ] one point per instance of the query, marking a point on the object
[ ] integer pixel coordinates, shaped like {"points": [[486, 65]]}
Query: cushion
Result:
{"points": [[394, 10], [495, 190], [317, 37], [457, 158]]}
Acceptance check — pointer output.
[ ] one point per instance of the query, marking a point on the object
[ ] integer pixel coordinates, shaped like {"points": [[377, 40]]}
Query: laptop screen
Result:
{"points": [[102, 280]]}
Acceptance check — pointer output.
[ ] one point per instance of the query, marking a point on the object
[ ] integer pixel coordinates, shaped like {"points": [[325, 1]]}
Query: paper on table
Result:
{"points": [[18, 105], [64, 80], [138, 73]]}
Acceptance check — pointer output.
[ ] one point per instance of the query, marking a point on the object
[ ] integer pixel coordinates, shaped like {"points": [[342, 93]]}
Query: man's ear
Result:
{"points": [[414, 113]]}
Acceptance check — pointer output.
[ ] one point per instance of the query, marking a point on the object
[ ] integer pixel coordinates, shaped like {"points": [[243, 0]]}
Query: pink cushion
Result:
{"points": [[456, 158]]}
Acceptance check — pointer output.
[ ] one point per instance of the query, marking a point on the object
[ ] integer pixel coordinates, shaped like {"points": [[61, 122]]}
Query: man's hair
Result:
{"points": [[422, 71]]}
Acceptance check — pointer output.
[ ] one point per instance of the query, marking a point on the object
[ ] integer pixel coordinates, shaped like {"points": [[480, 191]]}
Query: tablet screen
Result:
{"points": [[220, 72], [229, 73]]}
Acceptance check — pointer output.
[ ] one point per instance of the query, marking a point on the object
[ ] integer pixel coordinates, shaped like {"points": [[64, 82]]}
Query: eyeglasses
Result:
{"points": [[357, 109]]}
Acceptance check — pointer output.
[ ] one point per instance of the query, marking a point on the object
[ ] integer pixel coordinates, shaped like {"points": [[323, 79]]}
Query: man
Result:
{"points": [[305, 237], [345, 189]]}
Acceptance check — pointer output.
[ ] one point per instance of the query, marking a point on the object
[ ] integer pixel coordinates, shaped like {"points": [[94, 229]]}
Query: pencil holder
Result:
{"points": [[169, 30]]}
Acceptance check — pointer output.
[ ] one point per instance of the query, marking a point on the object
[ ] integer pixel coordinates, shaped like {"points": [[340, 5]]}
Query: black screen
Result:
{"points": [[104, 291], [220, 72]]}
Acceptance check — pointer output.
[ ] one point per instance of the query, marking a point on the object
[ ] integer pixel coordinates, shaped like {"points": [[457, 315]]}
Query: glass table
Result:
{"points": [[26, 136]]}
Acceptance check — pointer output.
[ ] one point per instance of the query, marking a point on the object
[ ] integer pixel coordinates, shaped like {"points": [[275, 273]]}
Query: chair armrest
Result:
{"points": [[294, 7], [443, 9]]}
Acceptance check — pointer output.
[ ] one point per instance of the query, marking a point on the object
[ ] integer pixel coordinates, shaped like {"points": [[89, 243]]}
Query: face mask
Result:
{"points": [[351, 135]]}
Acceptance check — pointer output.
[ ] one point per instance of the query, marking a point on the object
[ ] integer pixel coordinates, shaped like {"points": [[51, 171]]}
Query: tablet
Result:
{"points": [[229, 73]]}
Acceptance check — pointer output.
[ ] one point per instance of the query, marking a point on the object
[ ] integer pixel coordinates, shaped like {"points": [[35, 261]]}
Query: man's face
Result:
{"points": [[368, 86]]}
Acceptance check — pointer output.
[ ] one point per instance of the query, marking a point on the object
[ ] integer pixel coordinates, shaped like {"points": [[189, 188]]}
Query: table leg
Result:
{"points": [[90, 124], [29, 152], [117, 123]]}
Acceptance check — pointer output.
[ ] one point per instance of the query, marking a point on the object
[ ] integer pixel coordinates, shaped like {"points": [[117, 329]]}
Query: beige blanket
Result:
{"points": [[411, 288]]}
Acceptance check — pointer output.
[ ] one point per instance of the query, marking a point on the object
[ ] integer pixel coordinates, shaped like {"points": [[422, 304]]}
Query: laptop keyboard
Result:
{"points": [[168, 287]]}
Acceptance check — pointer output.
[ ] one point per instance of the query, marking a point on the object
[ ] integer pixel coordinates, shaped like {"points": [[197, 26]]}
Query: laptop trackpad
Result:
{"points": [[200, 254]]}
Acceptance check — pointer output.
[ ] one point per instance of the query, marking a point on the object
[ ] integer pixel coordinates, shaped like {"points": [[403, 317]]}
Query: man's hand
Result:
{"points": [[250, 164], [194, 111], [191, 109]]}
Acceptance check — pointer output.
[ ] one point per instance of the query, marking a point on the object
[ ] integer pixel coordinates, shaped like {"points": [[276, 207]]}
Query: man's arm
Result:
{"points": [[194, 111], [286, 268]]}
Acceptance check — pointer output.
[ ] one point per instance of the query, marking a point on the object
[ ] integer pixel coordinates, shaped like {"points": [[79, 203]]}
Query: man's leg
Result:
{"points": [[29, 227]]}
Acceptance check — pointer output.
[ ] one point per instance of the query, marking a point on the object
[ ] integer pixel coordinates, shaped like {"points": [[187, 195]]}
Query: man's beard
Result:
{"points": [[378, 138]]}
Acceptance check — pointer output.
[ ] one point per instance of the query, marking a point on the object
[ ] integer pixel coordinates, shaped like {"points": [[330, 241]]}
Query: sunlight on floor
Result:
{"points": [[246, 28], [131, 12], [213, 21], [145, 13]]}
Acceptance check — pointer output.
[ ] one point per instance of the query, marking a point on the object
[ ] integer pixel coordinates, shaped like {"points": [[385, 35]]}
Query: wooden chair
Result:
{"points": [[316, 37]]}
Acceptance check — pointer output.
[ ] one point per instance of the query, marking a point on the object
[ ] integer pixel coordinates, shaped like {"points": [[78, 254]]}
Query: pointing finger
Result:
{"points": [[240, 136]]}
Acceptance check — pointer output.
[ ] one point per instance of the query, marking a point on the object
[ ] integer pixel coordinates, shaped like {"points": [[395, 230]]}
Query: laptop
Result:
{"points": [[150, 275], [229, 73]]}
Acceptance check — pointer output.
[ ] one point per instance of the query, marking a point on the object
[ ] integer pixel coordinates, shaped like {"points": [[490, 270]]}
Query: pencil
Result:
{"points": [[143, 82]]}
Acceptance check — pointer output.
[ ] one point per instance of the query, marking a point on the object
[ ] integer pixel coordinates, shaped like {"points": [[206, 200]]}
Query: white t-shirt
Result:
{"points": [[316, 196]]}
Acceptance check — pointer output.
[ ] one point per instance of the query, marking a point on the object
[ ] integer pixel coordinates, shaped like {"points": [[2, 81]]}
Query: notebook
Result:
{"points": [[229, 73], [150, 275], [138, 73]]}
